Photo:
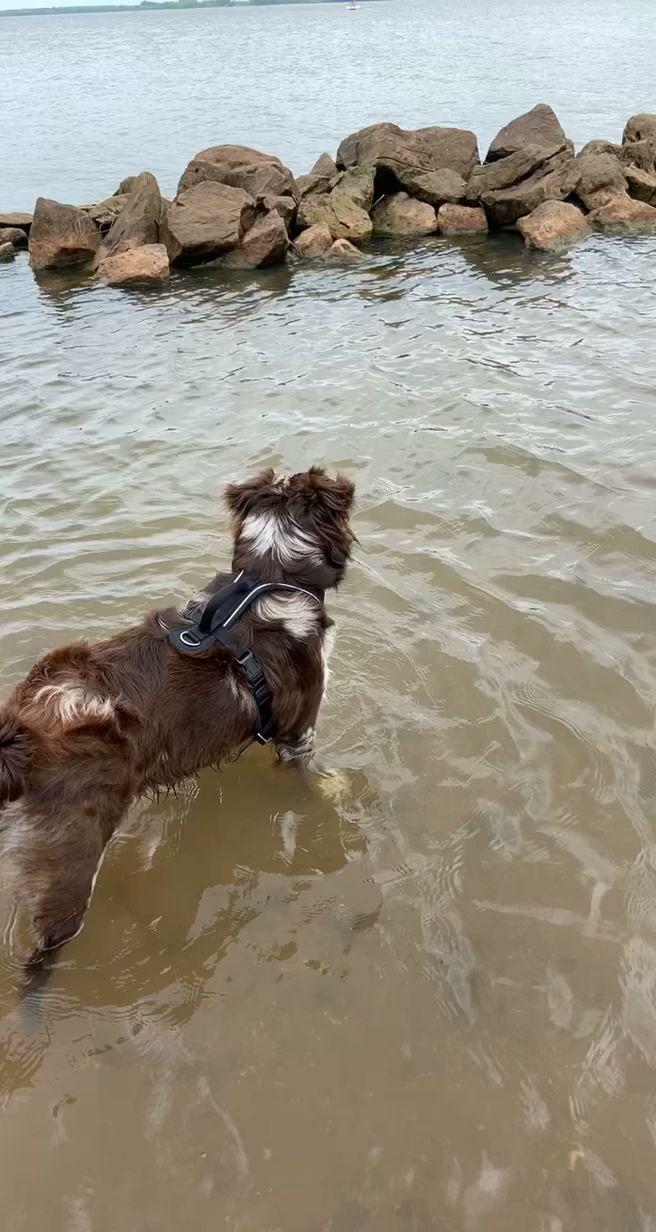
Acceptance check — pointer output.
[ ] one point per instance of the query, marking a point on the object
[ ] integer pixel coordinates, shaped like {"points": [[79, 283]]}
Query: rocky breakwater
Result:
{"points": [[242, 209]]}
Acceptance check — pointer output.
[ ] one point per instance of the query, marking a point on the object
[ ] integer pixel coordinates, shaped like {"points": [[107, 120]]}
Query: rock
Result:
{"points": [[138, 222], [639, 128], [343, 218], [284, 206], [320, 178], [641, 185], [125, 187], [7, 252], [640, 154], [259, 175], [400, 214], [461, 220], [61, 235], [342, 250], [552, 226], [147, 265], [205, 221], [539, 126], [601, 177], [13, 235], [554, 180], [16, 218], [624, 215], [314, 242], [404, 159], [355, 185], [600, 147], [265, 243], [489, 177], [437, 187], [105, 213]]}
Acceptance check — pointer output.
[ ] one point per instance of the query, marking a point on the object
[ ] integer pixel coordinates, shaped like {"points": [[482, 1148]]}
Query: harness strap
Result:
{"points": [[219, 615]]}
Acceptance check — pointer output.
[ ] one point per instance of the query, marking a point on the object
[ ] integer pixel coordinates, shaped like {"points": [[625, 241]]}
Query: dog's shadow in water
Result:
{"points": [[189, 872]]}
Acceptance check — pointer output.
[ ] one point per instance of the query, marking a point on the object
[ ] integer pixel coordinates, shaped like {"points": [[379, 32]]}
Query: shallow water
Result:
{"points": [[421, 996]]}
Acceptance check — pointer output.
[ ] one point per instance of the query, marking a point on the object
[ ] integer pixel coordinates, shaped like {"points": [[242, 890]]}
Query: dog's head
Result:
{"points": [[294, 525]]}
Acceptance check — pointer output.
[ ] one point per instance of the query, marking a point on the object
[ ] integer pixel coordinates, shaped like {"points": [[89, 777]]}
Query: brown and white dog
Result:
{"points": [[95, 725]]}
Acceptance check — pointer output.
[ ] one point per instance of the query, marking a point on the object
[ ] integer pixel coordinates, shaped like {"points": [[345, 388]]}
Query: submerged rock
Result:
{"points": [[554, 225], [342, 250], [147, 265], [461, 220], [7, 251], [61, 235], [313, 242], [540, 127], [138, 222], [265, 243], [206, 221], [400, 214], [408, 160], [625, 216], [260, 175]]}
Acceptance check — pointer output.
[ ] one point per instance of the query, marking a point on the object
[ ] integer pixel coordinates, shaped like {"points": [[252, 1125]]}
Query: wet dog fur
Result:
{"points": [[95, 725]]}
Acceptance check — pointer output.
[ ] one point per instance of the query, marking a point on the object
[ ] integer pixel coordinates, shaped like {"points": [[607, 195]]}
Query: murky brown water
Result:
{"points": [[426, 1003], [429, 1002]]}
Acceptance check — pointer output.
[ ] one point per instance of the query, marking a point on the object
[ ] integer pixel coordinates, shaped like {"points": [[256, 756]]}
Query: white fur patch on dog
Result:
{"points": [[327, 647], [73, 702], [298, 613], [266, 533]]}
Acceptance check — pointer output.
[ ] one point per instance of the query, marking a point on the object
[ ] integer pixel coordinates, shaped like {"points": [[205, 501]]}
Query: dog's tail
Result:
{"points": [[16, 749]]}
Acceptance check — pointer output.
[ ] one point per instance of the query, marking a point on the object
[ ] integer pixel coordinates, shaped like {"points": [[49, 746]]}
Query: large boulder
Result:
{"points": [[61, 235], [640, 154], [125, 187], [313, 242], [147, 266], [639, 128], [265, 243], [624, 216], [554, 180], [355, 185], [399, 214], [408, 160], [13, 235], [601, 177], [540, 126], [461, 220], [206, 221], [16, 218], [320, 178], [554, 225], [138, 222], [7, 251], [260, 175], [641, 185]]}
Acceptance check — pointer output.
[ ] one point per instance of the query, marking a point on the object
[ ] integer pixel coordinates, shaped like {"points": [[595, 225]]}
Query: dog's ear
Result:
{"points": [[241, 498], [334, 495]]}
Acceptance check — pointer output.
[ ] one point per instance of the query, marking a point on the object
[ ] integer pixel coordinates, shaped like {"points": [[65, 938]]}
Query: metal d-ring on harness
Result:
{"points": [[220, 614]]}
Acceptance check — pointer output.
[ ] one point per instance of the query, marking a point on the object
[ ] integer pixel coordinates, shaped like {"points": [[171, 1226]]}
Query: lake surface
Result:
{"points": [[425, 1000]]}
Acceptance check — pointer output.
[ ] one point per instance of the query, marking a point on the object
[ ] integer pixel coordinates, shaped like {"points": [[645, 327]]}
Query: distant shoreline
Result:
{"points": [[157, 5]]}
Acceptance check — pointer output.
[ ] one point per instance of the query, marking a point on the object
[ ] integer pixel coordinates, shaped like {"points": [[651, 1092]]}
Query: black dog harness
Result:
{"points": [[213, 628]]}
